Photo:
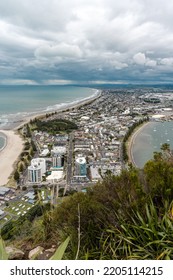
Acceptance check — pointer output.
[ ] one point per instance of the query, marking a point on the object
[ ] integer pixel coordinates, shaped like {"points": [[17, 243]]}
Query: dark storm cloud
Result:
{"points": [[78, 41]]}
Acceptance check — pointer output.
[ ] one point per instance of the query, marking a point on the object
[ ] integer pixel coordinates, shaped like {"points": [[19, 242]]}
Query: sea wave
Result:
{"points": [[7, 119], [71, 103]]}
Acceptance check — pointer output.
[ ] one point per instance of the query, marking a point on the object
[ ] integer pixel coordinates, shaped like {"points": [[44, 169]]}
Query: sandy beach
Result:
{"points": [[131, 142], [13, 148]]}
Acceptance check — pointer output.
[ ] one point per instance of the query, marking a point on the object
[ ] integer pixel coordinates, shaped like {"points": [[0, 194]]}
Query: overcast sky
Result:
{"points": [[86, 41]]}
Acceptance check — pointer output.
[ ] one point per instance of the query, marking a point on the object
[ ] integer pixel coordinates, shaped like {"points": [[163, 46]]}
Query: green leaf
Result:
{"points": [[3, 254], [60, 251]]}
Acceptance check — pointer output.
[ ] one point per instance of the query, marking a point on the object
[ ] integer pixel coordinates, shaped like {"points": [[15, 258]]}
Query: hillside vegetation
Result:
{"points": [[123, 217]]}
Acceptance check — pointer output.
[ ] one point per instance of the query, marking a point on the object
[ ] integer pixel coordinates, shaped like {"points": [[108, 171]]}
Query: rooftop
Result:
{"points": [[55, 176], [4, 190]]}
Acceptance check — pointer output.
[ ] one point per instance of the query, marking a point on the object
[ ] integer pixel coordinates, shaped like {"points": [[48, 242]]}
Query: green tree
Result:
{"points": [[31, 152], [16, 176], [20, 167], [165, 147], [159, 178]]}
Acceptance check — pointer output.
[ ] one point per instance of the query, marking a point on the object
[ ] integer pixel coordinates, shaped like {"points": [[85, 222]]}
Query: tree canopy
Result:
{"points": [[54, 126]]}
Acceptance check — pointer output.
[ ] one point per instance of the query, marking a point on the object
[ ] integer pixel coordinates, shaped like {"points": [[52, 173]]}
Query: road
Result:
{"points": [[70, 159]]}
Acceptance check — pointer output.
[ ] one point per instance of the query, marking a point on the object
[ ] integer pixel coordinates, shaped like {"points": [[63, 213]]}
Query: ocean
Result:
{"points": [[149, 140], [17, 102]]}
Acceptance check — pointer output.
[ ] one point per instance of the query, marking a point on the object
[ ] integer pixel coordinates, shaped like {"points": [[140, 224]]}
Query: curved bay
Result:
{"points": [[149, 139]]}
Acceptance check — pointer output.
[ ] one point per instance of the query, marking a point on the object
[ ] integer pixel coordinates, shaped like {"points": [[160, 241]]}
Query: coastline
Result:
{"points": [[68, 106], [18, 122], [131, 143], [9, 154], [13, 147], [2, 135]]}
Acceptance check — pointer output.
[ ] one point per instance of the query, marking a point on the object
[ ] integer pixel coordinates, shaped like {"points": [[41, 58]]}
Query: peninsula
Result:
{"points": [[76, 147]]}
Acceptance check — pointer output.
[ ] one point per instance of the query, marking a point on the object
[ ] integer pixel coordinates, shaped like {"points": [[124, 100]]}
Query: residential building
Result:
{"points": [[34, 173], [58, 156], [36, 170], [80, 164]]}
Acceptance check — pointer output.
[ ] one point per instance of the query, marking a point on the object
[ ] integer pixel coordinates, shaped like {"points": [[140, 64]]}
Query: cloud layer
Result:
{"points": [[79, 41]]}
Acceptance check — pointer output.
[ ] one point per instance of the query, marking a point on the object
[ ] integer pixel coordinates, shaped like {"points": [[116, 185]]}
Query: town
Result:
{"points": [[58, 162]]}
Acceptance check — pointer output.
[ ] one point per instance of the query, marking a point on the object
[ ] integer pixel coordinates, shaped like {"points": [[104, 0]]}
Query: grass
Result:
{"points": [[11, 182], [15, 210], [5, 219], [3, 254], [15, 207]]}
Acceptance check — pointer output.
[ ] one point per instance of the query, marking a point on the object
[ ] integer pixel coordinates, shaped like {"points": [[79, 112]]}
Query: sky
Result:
{"points": [[86, 41]]}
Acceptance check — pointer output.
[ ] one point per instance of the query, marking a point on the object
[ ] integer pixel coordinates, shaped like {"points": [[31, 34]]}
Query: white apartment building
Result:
{"points": [[41, 162], [36, 170], [34, 173]]}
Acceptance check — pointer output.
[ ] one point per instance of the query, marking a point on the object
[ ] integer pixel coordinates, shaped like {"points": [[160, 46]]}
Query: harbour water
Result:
{"points": [[150, 139], [17, 102]]}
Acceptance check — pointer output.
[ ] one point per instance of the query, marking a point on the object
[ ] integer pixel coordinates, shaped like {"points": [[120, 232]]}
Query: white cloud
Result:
{"points": [[117, 82], [118, 65], [167, 61], [57, 82], [18, 82], [139, 58], [151, 63]]}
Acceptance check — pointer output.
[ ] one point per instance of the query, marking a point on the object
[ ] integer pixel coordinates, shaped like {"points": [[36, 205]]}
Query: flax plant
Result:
{"points": [[147, 236]]}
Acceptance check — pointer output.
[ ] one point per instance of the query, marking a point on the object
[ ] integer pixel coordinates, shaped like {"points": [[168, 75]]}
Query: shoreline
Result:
{"points": [[9, 154], [13, 147], [69, 106], [131, 143], [2, 135], [19, 122]]}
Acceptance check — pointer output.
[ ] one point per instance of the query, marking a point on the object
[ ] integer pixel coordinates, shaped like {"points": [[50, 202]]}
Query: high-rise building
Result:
{"points": [[58, 156], [80, 164], [34, 173], [41, 162], [57, 161], [36, 170]]}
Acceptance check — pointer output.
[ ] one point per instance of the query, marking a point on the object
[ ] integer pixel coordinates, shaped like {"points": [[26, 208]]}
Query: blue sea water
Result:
{"points": [[19, 101]]}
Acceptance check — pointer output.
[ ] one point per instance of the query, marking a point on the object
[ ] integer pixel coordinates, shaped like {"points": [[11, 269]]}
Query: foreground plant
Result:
{"points": [[58, 255], [3, 253], [146, 237]]}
